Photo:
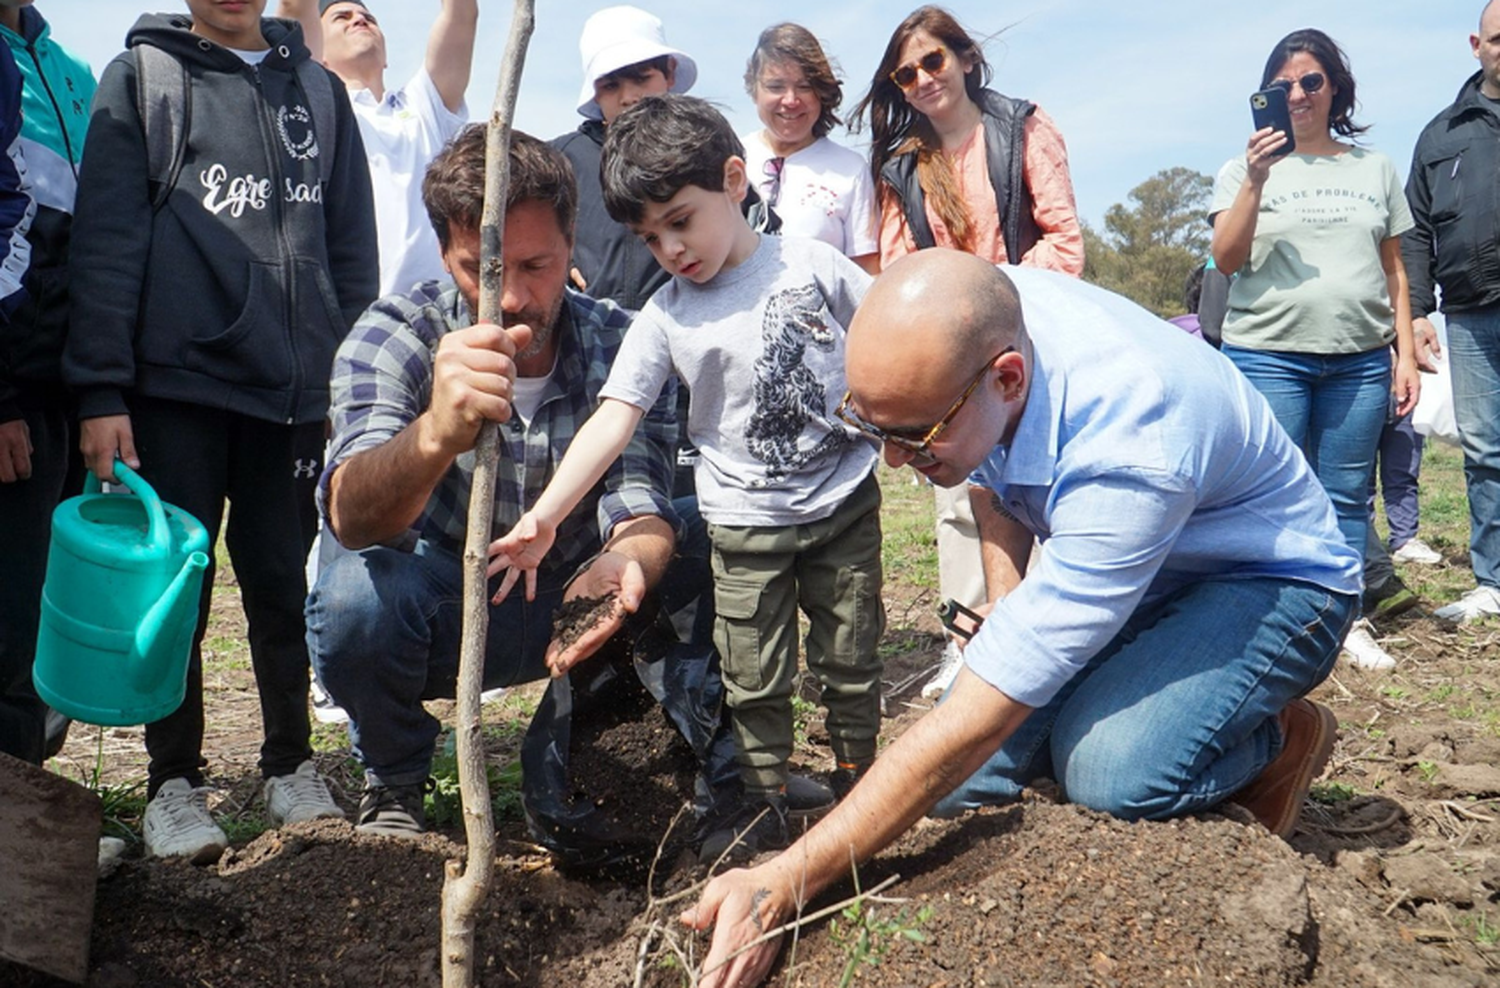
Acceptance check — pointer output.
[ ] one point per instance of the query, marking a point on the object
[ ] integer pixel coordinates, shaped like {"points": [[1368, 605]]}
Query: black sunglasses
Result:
{"points": [[915, 441], [1310, 83], [932, 63]]}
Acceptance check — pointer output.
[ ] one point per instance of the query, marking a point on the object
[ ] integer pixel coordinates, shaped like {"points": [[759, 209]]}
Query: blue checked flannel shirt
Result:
{"points": [[382, 380]]}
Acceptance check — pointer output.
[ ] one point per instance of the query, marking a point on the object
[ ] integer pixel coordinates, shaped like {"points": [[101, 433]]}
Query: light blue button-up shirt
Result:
{"points": [[1143, 461]]}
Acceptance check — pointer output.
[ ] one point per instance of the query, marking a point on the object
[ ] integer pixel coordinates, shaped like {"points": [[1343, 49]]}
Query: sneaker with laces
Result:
{"points": [[1417, 551], [393, 811], [1363, 651], [1477, 603], [301, 795], [759, 825], [948, 666], [178, 824], [1275, 797]]}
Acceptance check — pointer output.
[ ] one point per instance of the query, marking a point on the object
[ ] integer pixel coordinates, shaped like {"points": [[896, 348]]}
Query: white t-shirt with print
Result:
{"points": [[826, 193], [402, 134]]}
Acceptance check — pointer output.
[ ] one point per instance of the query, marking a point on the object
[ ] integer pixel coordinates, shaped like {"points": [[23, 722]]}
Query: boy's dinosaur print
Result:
{"points": [[787, 395]]}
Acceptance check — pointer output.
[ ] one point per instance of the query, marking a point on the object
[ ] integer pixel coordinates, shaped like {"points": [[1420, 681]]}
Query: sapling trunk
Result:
{"points": [[466, 883]]}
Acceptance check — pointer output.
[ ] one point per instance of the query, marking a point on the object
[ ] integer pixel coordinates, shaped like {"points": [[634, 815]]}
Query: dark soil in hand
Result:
{"points": [[575, 617]]}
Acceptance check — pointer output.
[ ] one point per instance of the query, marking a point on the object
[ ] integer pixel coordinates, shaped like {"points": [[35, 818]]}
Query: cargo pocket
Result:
{"points": [[736, 633]]}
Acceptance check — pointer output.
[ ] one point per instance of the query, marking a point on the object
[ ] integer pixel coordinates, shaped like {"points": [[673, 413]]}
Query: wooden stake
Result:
{"points": [[467, 883]]}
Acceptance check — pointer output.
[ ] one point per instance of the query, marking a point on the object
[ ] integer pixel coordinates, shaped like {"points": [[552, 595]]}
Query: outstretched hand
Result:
{"points": [[519, 552], [740, 906]]}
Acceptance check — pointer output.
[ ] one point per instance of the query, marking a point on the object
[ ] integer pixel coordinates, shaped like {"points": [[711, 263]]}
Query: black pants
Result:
{"points": [[25, 534], [195, 458]]}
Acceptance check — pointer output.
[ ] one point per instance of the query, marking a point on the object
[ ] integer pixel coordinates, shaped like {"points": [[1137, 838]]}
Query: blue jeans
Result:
{"points": [[1178, 711], [1474, 355], [1400, 466], [1333, 406], [384, 626]]}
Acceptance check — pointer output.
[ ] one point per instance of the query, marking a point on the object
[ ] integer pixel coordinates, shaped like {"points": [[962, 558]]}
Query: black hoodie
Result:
{"points": [[237, 291]]}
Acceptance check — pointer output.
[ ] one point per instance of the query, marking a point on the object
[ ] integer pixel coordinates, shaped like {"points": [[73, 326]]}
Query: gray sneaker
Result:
{"points": [[1477, 603], [299, 796]]}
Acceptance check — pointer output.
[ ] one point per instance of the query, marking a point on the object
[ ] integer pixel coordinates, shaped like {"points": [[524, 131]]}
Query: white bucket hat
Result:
{"points": [[619, 36]]}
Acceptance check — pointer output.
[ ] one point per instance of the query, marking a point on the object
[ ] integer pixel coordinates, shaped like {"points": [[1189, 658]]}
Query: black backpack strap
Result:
{"points": [[317, 86], [161, 97]]}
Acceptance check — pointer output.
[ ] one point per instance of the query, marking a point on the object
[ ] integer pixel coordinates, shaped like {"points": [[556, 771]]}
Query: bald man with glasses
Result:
{"points": [[1191, 587]]}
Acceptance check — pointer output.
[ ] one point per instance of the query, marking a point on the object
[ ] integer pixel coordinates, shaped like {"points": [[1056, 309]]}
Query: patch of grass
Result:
{"points": [[1486, 932], [1441, 693], [803, 711], [1332, 793], [1394, 692], [909, 547], [241, 828]]}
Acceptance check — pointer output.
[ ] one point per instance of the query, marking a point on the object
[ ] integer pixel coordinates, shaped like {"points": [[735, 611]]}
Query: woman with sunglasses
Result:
{"points": [[819, 189], [945, 154], [1312, 238]]}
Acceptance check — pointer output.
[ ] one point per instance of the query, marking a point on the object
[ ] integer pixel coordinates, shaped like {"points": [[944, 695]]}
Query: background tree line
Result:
{"points": [[1147, 249]]}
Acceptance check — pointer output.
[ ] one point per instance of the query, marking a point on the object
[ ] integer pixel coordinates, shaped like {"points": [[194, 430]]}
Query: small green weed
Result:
{"points": [[1395, 692], [865, 938], [803, 711], [1332, 793], [1428, 770], [1486, 933], [444, 804]]}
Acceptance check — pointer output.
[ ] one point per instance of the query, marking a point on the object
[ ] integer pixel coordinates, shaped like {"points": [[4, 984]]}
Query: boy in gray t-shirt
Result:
{"points": [[755, 327]]}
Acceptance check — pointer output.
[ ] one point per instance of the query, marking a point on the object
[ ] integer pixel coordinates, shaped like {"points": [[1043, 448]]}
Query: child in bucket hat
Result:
{"points": [[617, 40]]}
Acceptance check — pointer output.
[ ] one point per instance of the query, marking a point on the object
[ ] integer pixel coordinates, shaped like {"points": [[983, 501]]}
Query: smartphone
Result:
{"points": [[949, 611], [1268, 109]]}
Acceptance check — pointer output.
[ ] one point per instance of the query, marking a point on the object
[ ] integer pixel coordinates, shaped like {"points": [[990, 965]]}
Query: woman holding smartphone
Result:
{"points": [[956, 164], [1319, 296]]}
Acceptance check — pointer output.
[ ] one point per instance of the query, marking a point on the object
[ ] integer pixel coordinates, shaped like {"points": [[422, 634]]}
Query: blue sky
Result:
{"points": [[1135, 87]]}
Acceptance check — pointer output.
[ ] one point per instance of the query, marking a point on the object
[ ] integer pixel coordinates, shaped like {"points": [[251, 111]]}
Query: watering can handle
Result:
{"points": [[156, 533]]}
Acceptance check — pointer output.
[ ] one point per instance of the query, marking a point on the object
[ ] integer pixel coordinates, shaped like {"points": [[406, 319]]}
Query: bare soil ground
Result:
{"points": [[1393, 879]]}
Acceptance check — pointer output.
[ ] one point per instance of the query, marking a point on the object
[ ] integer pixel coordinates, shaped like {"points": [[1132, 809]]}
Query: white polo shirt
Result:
{"points": [[402, 134]]}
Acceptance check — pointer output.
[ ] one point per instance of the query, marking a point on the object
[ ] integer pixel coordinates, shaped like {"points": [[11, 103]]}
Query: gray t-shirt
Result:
{"points": [[761, 348], [1314, 282]]}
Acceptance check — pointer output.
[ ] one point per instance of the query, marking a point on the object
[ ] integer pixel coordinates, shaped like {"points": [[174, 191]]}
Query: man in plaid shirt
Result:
{"points": [[411, 386]]}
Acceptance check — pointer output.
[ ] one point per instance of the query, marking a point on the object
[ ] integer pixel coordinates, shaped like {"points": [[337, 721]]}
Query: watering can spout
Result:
{"points": [[175, 611]]}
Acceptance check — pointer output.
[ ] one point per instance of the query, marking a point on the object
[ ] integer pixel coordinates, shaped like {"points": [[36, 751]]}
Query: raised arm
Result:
{"points": [[305, 12], [450, 49], [1234, 228]]}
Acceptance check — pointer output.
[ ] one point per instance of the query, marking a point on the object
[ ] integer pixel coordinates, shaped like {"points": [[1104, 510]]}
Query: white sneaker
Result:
{"points": [[952, 661], [324, 709], [302, 795], [178, 824], [1363, 652], [1417, 551], [1477, 603]]}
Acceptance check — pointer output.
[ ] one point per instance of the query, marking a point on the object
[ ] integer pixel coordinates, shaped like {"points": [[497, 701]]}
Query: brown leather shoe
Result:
{"points": [[1275, 796]]}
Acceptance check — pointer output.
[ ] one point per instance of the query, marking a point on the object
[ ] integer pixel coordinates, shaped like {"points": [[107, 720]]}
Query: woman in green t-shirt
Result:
{"points": [[1320, 295]]}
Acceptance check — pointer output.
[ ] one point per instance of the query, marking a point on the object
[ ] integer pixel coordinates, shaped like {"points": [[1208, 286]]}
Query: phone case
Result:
{"points": [[1268, 109]]}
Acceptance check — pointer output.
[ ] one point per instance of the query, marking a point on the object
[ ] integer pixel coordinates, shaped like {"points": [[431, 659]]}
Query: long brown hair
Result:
{"points": [[897, 129]]}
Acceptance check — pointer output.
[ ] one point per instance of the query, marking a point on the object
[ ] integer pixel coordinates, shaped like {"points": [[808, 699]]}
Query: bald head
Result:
{"points": [[1487, 14], [927, 323]]}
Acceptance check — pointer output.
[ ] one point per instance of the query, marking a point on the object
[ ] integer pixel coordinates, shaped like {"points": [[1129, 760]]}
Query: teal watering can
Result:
{"points": [[119, 605]]}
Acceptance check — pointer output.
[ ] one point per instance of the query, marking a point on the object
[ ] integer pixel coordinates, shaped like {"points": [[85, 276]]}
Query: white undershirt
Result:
{"points": [[526, 396]]}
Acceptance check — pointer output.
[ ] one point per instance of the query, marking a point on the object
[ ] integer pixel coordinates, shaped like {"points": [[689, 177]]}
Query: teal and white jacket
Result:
{"points": [[57, 89]]}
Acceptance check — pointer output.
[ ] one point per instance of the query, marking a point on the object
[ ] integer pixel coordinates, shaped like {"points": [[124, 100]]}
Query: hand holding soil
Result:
{"points": [[594, 608]]}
